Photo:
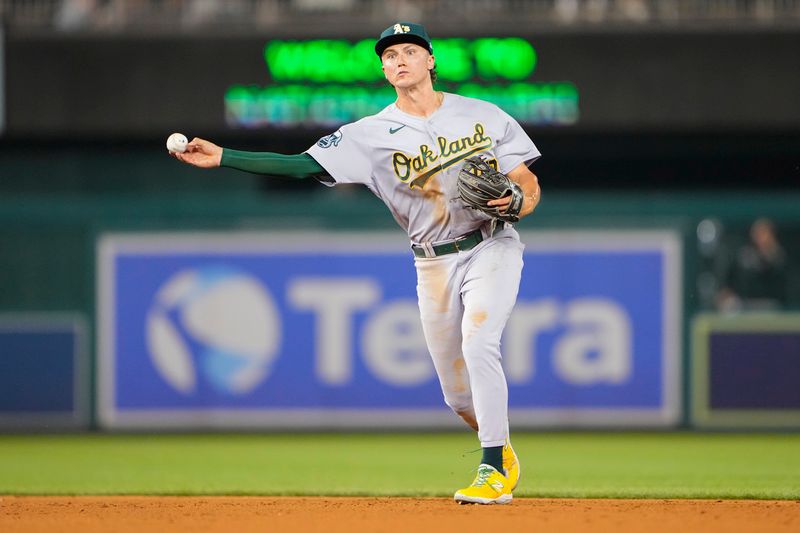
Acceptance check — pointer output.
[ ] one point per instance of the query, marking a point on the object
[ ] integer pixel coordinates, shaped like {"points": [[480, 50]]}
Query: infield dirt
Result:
{"points": [[89, 514]]}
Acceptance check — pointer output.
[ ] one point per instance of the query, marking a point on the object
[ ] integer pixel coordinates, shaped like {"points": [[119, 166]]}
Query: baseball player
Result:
{"points": [[468, 258]]}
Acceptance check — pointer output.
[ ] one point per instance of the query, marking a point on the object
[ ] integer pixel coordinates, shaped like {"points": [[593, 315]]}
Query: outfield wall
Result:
{"points": [[58, 265]]}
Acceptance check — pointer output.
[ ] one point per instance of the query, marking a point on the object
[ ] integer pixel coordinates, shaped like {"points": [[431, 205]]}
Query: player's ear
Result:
{"points": [[431, 62]]}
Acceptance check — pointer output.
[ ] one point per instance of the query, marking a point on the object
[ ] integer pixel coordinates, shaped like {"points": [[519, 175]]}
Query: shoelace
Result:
{"points": [[483, 474]]}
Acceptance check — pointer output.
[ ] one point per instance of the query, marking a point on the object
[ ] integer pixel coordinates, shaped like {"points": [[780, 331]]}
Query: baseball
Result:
{"points": [[177, 143]]}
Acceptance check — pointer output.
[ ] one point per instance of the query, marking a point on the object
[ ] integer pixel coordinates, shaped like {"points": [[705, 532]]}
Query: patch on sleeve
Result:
{"points": [[330, 140]]}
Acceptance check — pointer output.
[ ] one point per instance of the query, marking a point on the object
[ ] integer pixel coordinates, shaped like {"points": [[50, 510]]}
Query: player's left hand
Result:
{"points": [[483, 187], [501, 203]]}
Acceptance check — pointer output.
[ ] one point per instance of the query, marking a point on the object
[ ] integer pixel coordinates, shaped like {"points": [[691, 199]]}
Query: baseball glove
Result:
{"points": [[479, 182]]}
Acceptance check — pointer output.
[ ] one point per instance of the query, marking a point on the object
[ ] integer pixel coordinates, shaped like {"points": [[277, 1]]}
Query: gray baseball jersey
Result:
{"points": [[411, 162]]}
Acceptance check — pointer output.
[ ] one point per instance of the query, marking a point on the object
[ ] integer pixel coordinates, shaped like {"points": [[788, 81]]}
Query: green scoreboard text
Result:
{"points": [[328, 82]]}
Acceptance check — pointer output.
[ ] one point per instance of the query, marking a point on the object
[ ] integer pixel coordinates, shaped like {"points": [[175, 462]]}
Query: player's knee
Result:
{"points": [[478, 349], [458, 402]]}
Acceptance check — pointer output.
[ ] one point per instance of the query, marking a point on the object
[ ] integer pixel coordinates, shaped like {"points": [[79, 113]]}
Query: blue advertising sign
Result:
{"points": [[746, 370], [301, 330], [43, 371]]}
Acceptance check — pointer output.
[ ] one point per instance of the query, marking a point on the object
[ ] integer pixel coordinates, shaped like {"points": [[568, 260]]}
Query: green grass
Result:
{"points": [[600, 465]]}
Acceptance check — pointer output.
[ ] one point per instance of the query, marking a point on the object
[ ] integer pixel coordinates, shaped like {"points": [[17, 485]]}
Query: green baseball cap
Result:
{"points": [[403, 32]]}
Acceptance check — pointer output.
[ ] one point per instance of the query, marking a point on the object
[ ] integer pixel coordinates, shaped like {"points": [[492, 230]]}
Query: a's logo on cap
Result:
{"points": [[401, 28]]}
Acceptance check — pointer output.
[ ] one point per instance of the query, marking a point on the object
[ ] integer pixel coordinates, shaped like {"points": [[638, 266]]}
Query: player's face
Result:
{"points": [[406, 65]]}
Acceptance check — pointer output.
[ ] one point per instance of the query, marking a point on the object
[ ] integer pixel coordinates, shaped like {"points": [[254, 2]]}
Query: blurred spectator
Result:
{"points": [[566, 10], [74, 14], [711, 248], [634, 10], [757, 276]]}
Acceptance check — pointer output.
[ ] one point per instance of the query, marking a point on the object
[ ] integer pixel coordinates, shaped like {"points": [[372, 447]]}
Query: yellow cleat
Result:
{"points": [[511, 465], [490, 486]]}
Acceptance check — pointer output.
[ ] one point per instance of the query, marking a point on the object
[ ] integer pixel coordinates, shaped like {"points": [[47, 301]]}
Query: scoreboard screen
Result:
{"points": [[662, 81]]}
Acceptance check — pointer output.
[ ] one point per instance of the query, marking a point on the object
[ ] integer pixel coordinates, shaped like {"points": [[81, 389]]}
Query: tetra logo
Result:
{"points": [[213, 326]]}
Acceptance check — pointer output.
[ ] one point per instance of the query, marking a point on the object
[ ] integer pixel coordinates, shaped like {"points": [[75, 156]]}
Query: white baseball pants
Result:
{"points": [[465, 300]]}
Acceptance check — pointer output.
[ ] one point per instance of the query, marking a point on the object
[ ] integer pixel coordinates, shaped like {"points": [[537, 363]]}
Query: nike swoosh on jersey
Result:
{"points": [[392, 131]]}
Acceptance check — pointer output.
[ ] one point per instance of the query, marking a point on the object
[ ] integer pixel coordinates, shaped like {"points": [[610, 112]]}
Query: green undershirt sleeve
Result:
{"points": [[290, 166]]}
